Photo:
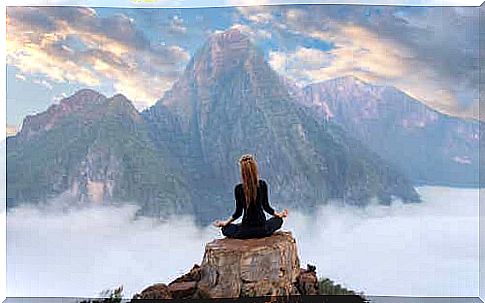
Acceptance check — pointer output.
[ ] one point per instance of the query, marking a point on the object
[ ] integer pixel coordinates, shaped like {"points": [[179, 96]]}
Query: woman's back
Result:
{"points": [[254, 211]]}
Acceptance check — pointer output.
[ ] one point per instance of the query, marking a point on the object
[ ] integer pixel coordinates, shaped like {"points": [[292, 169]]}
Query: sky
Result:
{"points": [[431, 53]]}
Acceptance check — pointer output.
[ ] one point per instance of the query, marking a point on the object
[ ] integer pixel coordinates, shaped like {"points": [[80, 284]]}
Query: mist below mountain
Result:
{"points": [[427, 249]]}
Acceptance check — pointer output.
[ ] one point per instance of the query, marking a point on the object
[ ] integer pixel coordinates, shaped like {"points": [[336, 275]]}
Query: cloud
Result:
{"points": [[20, 77], [302, 65], [256, 14], [11, 130], [253, 33], [43, 83], [212, 3], [177, 25], [428, 249], [73, 44], [430, 53], [364, 54]]}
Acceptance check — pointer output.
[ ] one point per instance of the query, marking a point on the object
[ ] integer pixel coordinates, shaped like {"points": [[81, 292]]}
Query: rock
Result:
{"points": [[185, 286], [183, 290], [192, 275], [156, 291], [234, 268], [307, 281]]}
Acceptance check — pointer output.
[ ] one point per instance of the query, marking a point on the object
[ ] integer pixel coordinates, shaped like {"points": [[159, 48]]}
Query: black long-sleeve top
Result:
{"points": [[253, 215]]}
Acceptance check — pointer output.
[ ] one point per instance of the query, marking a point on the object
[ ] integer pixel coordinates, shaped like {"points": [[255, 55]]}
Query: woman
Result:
{"points": [[252, 199]]}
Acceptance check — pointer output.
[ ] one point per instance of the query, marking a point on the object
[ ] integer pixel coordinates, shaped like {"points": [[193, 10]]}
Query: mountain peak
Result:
{"points": [[225, 50], [350, 80], [232, 36], [348, 85], [225, 59], [221, 55], [86, 92], [79, 101], [121, 102], [120, 98]]}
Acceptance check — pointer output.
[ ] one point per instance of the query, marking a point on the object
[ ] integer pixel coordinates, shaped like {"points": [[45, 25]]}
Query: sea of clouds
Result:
{"points": [[427, 249]]}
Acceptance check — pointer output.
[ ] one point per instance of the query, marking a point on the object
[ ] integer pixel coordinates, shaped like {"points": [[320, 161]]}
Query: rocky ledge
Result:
{"points": [[234, 268]]}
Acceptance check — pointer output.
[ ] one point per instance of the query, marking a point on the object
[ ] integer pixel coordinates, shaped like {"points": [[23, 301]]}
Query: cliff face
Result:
{"points": [[234, 268]]}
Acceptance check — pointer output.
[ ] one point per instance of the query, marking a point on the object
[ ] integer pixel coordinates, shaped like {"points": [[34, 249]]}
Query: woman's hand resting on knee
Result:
{"points": [[282, 214], [219, 223]]}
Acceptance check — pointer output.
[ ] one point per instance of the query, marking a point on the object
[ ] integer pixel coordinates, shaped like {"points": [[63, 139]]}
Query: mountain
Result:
{"points": [[96, 149], [229, 101], [428, 146], [180, 155]]}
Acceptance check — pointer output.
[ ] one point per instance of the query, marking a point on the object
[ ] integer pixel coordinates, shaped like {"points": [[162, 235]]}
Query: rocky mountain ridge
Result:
{"points": [[428, 146], [95, 149]]}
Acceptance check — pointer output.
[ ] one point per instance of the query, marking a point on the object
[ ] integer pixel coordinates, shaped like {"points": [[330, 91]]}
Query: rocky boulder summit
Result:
{"points": [[250, 268], [233, 268]]}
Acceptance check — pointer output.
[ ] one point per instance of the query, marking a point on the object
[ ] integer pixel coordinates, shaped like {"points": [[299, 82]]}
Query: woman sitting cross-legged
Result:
{"points": [[252, 199]]}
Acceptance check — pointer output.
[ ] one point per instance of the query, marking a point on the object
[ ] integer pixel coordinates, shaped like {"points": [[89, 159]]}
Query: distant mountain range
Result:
{"points": [[428, 146], [180, 155]]}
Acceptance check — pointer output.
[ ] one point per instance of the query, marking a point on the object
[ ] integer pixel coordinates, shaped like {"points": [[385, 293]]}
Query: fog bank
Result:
{"points": [[428, 249]]}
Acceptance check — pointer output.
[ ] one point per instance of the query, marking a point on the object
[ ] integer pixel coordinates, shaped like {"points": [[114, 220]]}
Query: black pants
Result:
{"points": [[239, 231]]}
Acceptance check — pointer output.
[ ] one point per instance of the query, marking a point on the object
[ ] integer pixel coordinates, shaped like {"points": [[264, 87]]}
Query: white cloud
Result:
{"points": [[43, 83], [304, 65], [256, 14], [177, 25], [20, 77], [11, 131], [428, 249], [252, 33]]}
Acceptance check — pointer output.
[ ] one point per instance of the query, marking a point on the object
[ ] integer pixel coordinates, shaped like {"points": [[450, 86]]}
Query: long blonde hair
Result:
{"points": [[249, 178]]}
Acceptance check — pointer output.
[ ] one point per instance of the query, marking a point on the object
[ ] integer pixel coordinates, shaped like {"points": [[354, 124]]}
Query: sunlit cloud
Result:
{"points": [[361, 53], [76, 45], [11, 130], [389, 48]]}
